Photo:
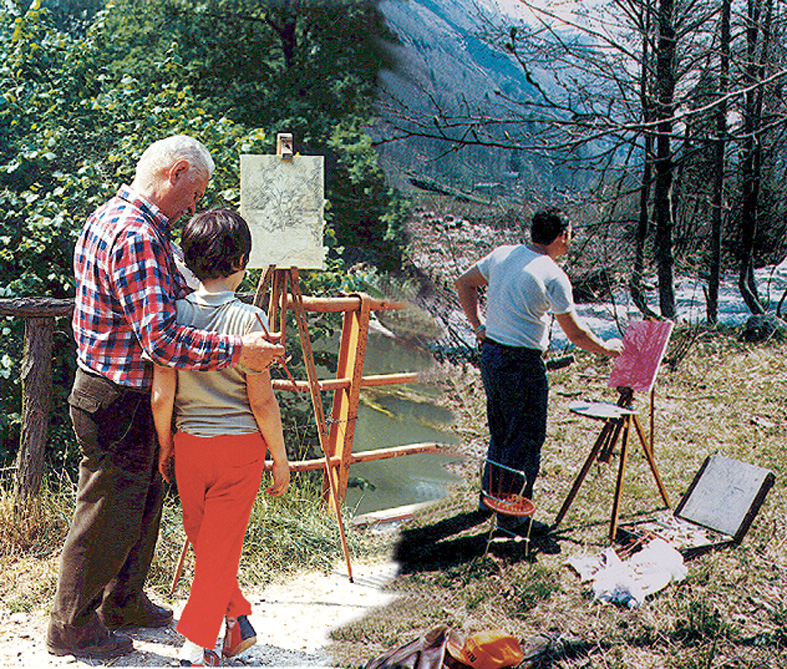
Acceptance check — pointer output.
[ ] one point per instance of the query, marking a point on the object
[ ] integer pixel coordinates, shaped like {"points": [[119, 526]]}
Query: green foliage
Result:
{"points": [[360, 179], [283, 67]]}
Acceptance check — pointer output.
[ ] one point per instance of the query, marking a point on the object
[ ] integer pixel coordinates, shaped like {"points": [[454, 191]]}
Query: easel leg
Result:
{"points": [[262, 289], [605, 455], [651, 461], [179, 568], [606, 432], [490, 536], [311, 371], [613, 525]]}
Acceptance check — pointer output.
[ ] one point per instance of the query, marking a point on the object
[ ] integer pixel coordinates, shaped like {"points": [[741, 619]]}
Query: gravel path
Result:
{"points": [[293, 620]]}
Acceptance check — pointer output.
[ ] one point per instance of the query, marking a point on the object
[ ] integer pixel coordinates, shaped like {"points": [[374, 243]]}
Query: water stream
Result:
{"points": [[689, 303], [396, 416]]}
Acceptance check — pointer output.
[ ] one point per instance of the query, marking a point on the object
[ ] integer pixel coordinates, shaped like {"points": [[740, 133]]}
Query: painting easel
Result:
{"points": [[278, 279], [337, 433], [645, 343]]}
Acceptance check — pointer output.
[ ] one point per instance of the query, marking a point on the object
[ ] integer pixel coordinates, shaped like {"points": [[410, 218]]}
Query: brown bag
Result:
{"points": [[425, 652]]}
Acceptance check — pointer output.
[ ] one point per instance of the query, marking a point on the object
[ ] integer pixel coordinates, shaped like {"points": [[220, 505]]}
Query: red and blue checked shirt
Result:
{"points": [[127, 284]]}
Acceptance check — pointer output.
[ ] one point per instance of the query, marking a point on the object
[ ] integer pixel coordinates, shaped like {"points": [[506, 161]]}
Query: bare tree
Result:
{"points": [[714, 279]]}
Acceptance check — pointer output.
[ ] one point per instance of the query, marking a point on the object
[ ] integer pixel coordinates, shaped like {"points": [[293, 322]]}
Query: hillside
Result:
{"points": [[443, 64]]}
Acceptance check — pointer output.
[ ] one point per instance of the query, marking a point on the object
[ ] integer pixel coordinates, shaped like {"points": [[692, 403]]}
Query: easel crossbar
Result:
{"points": [[344, 382], [363, 456]]}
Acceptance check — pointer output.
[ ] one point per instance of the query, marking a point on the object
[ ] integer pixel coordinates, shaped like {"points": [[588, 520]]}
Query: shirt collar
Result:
{"points": [[150, 210], [204, 298]]}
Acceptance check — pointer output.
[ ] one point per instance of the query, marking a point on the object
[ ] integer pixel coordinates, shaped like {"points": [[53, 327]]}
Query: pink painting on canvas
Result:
{"points": [[644, 345]]}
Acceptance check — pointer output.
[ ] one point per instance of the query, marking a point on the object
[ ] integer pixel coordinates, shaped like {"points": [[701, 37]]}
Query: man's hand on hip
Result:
{"points": [[260, 349]]}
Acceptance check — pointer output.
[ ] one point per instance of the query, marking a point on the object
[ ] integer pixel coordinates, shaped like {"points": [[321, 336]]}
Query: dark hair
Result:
{"points": [[216, 243], [548, 225]]}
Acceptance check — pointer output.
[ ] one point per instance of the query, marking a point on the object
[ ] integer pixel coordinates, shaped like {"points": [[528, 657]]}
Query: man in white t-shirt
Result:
{"points": [[524, 286]]}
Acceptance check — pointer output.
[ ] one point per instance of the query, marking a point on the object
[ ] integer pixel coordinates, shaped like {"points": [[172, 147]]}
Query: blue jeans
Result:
{"points": [[517, 389]]}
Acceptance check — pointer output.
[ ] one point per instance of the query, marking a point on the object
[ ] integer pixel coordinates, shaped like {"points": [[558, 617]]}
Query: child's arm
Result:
{"points": [[266, 413], [162, 400]]}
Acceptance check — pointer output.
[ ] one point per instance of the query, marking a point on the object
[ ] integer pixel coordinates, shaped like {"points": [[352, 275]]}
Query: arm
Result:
{"points": [[580, 335], [467, 286], [162, 400], [266, 413], [146, 282]]}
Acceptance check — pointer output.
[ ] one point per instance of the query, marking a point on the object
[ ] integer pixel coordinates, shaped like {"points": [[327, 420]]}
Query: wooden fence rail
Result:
{"points": [[36, 375]]}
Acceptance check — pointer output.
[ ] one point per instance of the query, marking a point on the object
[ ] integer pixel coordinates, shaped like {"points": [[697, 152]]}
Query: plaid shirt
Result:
{"points": [[127, 284]]}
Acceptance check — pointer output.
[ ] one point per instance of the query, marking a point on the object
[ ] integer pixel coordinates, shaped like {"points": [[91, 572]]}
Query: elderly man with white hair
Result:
{"points": [[124, 321]]}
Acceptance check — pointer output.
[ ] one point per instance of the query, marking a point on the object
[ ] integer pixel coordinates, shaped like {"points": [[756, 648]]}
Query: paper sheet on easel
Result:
{"points": [[283, 203]]}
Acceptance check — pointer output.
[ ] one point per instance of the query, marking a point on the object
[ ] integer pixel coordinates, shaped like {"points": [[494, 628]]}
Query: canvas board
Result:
{"points": [[716, 511], [722, 494], [644, 345], [283, 201]]}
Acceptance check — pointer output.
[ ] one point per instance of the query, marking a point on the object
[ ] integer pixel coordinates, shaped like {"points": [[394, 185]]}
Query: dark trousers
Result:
{"points": [[109, 546], [517, 389]]}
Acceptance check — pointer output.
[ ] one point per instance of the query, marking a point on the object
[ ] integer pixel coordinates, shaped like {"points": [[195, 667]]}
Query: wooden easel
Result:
{"points": [[277, 307], [278, 279], [618, 420], [644, 345]]}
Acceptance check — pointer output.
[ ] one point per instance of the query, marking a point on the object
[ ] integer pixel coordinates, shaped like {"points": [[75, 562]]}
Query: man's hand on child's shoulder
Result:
{"points": [[259, 349]]}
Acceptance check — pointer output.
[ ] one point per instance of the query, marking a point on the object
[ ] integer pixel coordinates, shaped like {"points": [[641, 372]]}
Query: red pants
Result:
{"points": [[218, 479]]}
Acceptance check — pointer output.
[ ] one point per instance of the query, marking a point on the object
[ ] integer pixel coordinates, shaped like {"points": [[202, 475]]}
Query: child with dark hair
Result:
{"points": [[225, 420]]}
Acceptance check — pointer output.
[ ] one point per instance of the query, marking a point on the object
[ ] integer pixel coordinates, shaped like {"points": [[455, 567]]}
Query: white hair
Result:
{"points": [[164, 153]]}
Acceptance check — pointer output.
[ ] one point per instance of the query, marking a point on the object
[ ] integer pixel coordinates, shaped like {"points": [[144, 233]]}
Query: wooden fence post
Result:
{"points": [[36, 401], [36, 374]]}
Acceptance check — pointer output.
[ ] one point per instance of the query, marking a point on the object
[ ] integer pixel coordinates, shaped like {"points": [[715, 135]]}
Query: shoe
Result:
{"points": [[145, 614], [209, 659], [104, 648], [240, 635]]}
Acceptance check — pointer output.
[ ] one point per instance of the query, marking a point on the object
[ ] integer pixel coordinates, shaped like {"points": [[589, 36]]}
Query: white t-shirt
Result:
{"points": [[524, 287], [212, 403]]}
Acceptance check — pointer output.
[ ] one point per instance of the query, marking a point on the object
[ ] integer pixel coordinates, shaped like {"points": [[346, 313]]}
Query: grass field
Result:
{"points": [[716, 396]]}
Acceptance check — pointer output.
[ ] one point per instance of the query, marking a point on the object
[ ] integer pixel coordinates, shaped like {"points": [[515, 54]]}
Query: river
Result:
{"points": [[689, 303], [396, 416]]}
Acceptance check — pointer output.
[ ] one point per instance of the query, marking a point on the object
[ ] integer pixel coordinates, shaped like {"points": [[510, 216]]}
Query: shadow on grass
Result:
{"points": [[546, 650], [446, 543]]}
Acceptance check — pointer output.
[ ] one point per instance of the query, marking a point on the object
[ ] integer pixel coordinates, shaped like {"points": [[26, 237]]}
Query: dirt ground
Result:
{"points": [[293, 620]]}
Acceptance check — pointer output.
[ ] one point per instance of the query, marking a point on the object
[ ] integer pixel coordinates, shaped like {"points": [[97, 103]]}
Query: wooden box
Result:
{"points": [[716, 511]]}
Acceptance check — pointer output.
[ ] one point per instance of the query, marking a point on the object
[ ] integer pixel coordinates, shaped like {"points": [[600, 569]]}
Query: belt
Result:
{"points": [[519, 350]]}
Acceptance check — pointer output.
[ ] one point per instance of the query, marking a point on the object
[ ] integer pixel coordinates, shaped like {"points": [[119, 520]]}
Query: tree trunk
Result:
{"points": [[36, 400], [662, 192], [712, 307], [643, 224], [757, 43]]}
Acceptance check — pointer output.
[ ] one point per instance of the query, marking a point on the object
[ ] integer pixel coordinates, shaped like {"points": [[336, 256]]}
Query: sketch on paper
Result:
{"points": [[283, 203]]}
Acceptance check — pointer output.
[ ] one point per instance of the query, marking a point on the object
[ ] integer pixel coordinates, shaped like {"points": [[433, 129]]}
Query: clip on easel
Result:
{"points": [[645, 343]]}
